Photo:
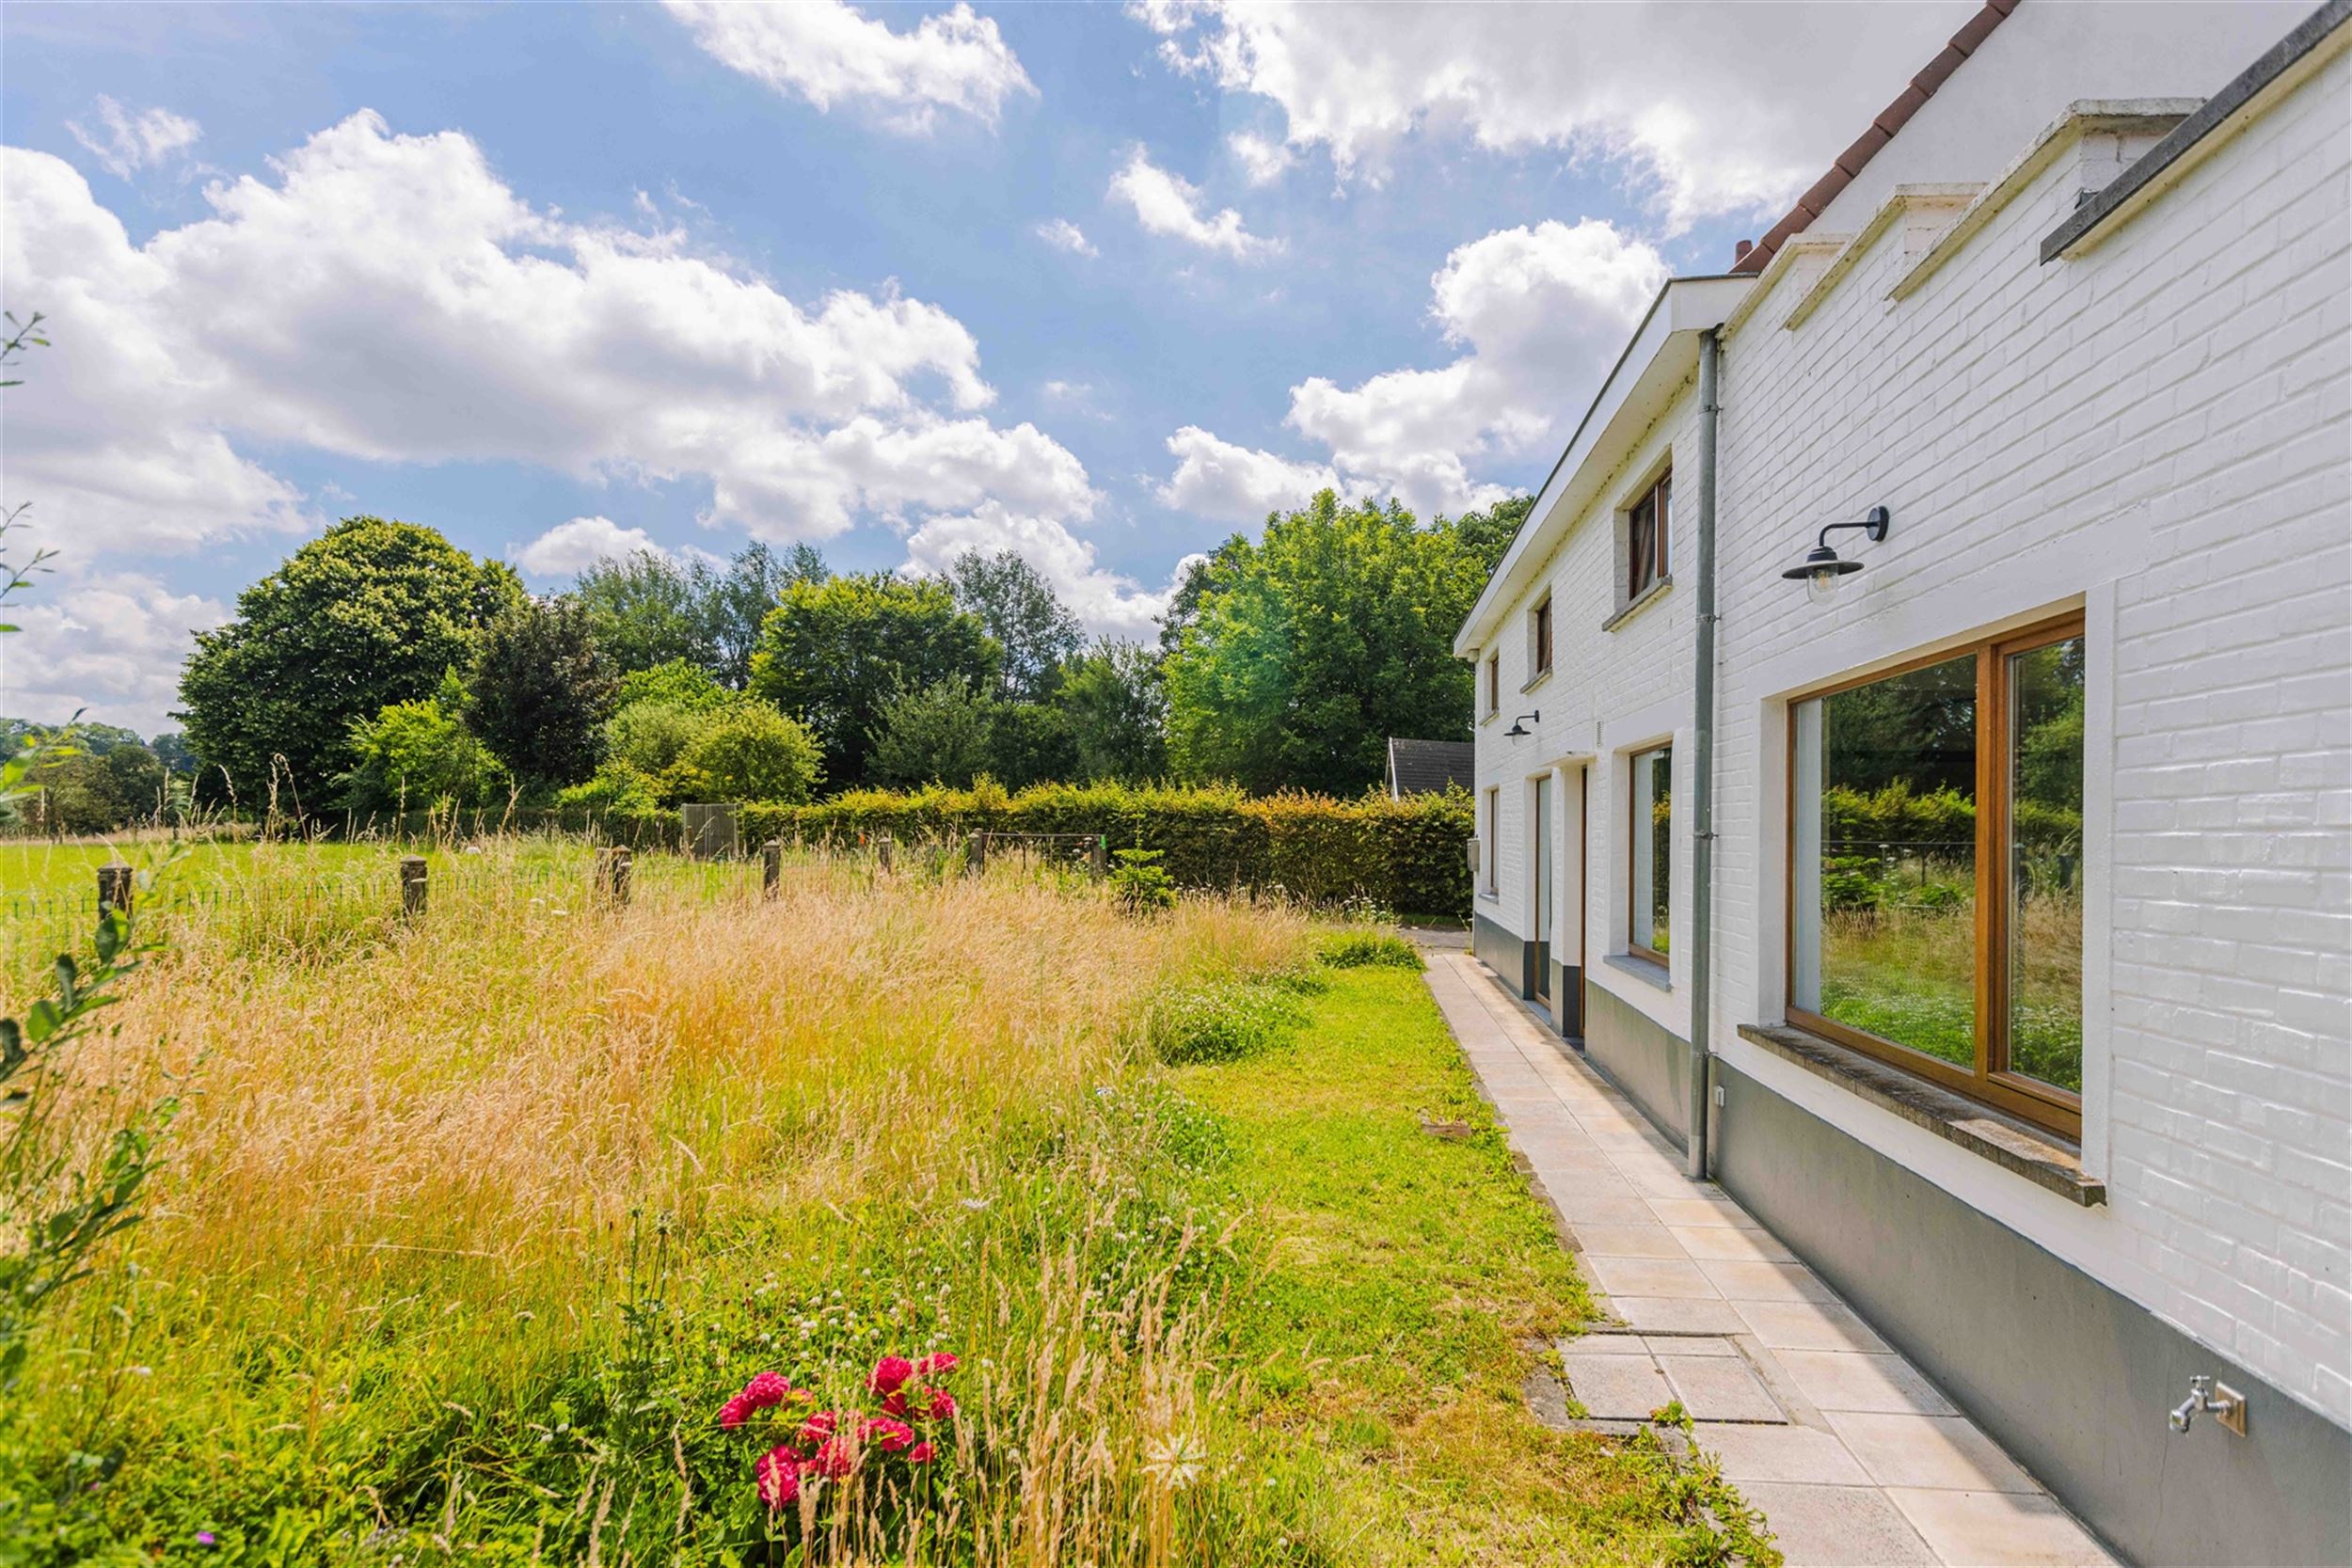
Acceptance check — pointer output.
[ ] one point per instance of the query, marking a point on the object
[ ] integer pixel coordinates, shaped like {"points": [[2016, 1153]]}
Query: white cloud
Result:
{"points": [[570, 548], [130, 142], [1236, 485], [1106, 601], [1733, 111], [110, 643], [388, 298], [1065, 235], [1262, 162], [1539, 311], [1169, 204], [828, 53]]}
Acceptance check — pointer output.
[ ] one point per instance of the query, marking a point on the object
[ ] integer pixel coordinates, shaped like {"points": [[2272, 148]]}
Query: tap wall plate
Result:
{"points": [[2229, 1408]]}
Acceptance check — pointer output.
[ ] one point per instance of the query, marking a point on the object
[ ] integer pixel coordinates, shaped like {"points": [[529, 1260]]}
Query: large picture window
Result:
{"points": [[1649, 836], [1935, 876]]}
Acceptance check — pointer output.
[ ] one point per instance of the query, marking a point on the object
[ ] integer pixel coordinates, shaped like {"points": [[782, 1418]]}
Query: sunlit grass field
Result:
{"points": [[469, 1226]]}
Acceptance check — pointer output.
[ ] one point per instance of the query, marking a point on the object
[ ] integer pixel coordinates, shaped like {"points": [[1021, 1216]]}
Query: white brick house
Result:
{"points": [[2060, 1095]]}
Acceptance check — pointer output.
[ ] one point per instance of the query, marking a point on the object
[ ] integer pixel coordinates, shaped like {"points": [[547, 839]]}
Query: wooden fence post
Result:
{"points": [[772, 868], [1102, 856], [613, 868], [975, 853], [113, 888], [883, 848], [412, 873]]}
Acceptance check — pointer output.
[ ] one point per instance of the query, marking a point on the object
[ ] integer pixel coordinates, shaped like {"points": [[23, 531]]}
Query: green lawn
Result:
{"points": [[1404, 1275]]}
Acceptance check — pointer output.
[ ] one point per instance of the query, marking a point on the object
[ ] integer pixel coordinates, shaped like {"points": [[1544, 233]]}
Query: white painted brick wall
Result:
{"points": [[2161, 429]]}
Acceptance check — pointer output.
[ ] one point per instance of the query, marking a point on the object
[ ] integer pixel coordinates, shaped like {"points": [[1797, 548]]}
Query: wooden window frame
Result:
{"points": [[1990, 1081], [1658, 498], [1493, 683], [1543, 623], [1642, 949]]}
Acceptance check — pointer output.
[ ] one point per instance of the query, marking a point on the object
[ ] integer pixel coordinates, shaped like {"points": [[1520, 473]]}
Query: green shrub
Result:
{"points": [[1223, 1021], [750, 753], [1141, 883], [1377, 949]]}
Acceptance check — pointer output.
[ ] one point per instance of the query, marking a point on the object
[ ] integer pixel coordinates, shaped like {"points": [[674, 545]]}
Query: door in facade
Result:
{"points": [[1543, 888]]}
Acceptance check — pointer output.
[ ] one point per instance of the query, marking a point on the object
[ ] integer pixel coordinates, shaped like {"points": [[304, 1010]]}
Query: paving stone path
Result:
{"points": [[1852, 1454]]}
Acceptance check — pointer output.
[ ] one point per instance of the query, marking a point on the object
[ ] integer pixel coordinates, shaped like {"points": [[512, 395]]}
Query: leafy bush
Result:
{"points": [[1140, 882], [1379, 949], [752, 753], [1222, 1021]]}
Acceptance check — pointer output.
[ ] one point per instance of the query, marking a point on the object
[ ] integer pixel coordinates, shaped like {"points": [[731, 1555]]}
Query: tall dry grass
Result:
{"points": [[469, 1224]]}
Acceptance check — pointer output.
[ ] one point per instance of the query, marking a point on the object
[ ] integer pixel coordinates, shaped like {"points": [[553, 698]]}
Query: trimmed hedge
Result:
{"points": [[1409, 855]]}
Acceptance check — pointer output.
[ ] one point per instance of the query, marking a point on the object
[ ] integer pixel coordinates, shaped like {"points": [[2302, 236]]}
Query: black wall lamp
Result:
{"points": [[1518, 730], [1821, 568]]}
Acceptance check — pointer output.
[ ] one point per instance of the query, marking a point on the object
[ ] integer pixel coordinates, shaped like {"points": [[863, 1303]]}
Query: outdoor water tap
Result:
{"points": [[2219, 1401]]}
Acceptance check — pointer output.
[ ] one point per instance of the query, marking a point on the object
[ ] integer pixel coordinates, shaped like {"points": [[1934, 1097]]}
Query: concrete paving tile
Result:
{"points": [[1630, 1241], [1676, 1314], [1808, 1325], [1720, 1388], [1748, 1281], [1602, 1342], [1830, 1527], [2014, 1529], [1690, 1344], [1616, 1388], [1945, 1451], [1751, 1453], [1656, 1183], [1649, 1276], [1844, 1379], [1701, 1212], [1731, 1244]]}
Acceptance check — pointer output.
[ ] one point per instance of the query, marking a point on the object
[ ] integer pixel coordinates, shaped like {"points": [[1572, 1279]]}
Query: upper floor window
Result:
{"points": [[1494, 684], [1650, 839], [1646, 535], [1542, 660], [1936, 869]]}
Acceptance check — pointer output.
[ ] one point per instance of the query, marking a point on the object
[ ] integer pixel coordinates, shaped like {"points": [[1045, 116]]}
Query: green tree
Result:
{"points": [[1312, 646], [737, 601], [650, 734], [90, 791], [937, 735], [749, 752], [367, 614], [539, 691], [1116, 704], [420, 755], [834, 652], [1488, 534], [675, 684], [1030, 743], [647, 609], [1020, 610]]}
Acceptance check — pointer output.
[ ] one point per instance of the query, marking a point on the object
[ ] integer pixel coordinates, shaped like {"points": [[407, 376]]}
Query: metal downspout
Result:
{"points": [[1703, 770]]}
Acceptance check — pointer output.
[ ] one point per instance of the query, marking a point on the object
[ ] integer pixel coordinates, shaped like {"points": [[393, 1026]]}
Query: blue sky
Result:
{"points": [[1100, 284]]}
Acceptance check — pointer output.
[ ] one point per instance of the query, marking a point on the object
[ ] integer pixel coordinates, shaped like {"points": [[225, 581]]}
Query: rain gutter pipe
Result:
{"points": [[1702, 769]]}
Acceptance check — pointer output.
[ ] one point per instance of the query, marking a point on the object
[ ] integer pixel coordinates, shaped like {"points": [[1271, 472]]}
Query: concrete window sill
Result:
{"points": [[1541, 676], [1634, 607], [2038, 1156], [1641, 969]]}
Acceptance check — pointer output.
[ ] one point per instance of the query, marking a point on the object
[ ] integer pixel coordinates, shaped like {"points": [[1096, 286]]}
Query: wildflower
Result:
{"points": [[834, 1459], [896, 1404], [1175, 1461], [931, 1366], [939, 1406], [922, 1453], [820, 1427], [762, 1392], [205, 1538], [778, 1474], [889, 1373]]}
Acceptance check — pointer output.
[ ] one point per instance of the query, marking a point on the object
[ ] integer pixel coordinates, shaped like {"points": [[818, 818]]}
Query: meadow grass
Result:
{"points": [[468, 1225]]}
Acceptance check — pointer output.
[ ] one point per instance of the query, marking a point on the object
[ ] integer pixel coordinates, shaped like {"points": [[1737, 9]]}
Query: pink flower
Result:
{"points": [[732, 1413], [939, 1406], [889, 1373], [834, 1459], [896, 1404], [889, 1435], [922, 1453], [778, 1473], [766, 1389], [933, 1364], [820, 1427]]}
